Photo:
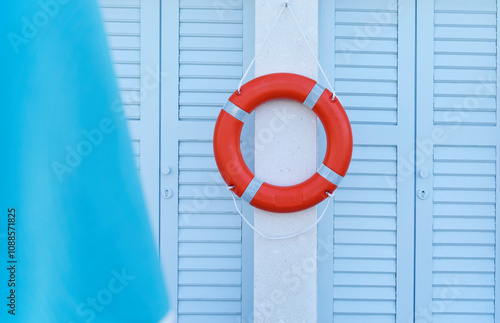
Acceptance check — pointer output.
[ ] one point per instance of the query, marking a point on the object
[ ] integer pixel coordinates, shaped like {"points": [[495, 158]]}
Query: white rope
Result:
{"points": [[262, 46], [311, 49], [330, 195], [286, 4]]}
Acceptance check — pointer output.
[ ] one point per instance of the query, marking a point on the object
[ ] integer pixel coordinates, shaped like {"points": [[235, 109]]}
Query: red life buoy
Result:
{"points": [[236, 173]]}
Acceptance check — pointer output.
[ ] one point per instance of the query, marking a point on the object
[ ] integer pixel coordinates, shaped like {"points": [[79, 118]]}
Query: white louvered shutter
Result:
{"points": [[369, 46], [457, 144], [133, 31], [202, 233]]}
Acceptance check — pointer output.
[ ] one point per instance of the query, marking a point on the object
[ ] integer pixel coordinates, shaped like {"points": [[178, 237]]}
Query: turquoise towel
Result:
{"points": [[83, 249]]}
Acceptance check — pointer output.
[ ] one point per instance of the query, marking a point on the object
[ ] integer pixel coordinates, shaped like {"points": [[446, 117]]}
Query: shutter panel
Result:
{"points": [[365, 221], [463, 286], [457, 144], [203, 231], [136, 62], [372, 231], [366, 62]]}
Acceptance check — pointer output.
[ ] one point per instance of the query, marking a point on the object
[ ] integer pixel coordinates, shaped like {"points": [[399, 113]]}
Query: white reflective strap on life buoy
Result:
{"points": [[330, 175], [235, 111], [251, 189], [313, 96]]}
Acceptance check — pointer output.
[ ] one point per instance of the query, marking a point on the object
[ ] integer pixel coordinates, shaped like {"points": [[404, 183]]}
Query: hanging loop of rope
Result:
{"points": [[330, 196], [262, 46], [287, 4]]}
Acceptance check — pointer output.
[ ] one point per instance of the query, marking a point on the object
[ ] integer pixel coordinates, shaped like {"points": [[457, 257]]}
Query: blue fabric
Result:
{"points": [[84, 247]]}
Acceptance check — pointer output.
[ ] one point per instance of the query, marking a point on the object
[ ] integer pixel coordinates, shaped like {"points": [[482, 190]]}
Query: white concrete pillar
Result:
{"points": [[285, 271]]}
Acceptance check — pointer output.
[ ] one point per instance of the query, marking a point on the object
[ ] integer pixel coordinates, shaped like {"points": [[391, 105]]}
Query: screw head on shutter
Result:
{"points": [[424, 173]]}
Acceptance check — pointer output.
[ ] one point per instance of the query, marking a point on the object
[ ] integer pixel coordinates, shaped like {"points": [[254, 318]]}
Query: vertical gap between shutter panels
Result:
{"points": [[415, 173]]}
